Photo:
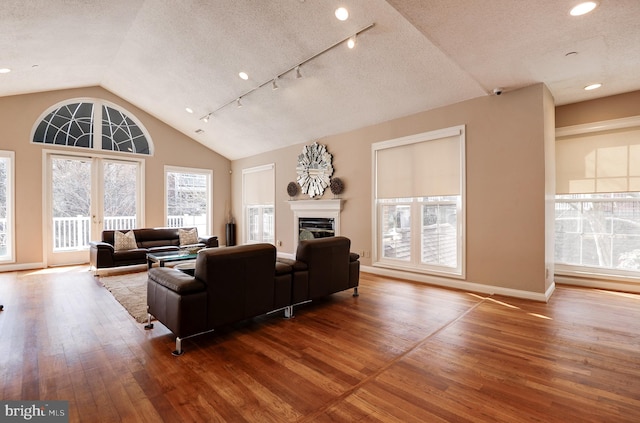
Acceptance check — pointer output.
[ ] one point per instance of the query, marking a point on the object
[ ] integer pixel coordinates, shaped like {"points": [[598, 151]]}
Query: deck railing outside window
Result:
{"points": [[73, 233]]}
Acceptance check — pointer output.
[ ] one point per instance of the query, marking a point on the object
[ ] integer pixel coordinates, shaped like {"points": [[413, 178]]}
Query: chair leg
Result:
{"points": [[149, 325], [179, 351], [355, 292], [288, 312]]}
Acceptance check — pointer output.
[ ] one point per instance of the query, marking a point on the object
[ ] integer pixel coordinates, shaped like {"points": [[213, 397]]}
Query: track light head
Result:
{"points": [[238, 102], [351, 42], [298, 73], [274, 84]]}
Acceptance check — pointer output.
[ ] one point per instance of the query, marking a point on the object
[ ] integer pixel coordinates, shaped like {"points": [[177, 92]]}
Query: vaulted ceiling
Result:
{"points": [[164, 56]]}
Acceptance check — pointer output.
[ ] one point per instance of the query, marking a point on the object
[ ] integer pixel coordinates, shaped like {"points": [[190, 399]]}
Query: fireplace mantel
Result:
{"points": [[316, 205], [315, 208]]}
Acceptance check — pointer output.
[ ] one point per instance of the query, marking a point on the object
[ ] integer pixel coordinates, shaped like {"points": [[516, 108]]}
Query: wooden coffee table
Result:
{"points": [[168, 256]]}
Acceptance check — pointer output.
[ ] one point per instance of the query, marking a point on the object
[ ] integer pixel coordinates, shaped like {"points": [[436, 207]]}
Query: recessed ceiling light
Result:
{"points": [[592, 87], [583, 8], [243, 75], [342, 14], [5, 70], [189, 109]]}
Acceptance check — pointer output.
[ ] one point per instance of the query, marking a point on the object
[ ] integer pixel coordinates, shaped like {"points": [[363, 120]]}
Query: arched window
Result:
{"points": [[73, 124]]}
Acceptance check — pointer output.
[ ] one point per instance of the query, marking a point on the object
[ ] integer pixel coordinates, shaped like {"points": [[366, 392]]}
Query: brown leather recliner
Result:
{"points": [[230, 284]]}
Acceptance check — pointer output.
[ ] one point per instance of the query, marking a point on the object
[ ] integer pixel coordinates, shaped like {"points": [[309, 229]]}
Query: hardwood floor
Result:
{"points": [[400, 352]]}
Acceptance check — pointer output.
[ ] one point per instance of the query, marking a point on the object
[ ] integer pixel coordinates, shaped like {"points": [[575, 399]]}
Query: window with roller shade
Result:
{"points": [[419, 187], [258, 193], [597, 222]]}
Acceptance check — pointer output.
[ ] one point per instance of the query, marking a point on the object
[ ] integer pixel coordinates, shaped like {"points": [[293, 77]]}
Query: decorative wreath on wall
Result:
{"points": [[314, 169]]}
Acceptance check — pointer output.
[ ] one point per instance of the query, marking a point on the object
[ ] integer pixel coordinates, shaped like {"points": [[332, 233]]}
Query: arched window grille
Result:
{"points": [[73, 124]]}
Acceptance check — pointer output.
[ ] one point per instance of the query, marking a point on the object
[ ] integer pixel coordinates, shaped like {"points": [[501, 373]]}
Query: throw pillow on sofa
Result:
{"points": [[188, 236], [124, 241]]}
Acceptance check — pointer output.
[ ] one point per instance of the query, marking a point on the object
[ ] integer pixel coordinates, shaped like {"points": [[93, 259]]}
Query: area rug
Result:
{"points": [[130, 290]]}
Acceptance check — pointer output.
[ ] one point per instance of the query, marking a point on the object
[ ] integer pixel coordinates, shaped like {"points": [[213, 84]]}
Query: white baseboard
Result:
{"points": [[633, 287], [462, 285], [20, 266]]}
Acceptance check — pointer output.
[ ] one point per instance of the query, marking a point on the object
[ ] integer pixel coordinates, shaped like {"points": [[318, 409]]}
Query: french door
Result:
{"points": [[86, 195]]}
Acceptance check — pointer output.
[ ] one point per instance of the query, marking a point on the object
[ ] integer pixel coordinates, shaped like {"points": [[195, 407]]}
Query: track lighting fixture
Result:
{"points": [[351, 42]]}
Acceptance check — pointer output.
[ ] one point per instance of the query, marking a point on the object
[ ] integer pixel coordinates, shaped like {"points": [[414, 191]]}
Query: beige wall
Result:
{"points": [[18, 114], [607, 108], [510, 175], [506, 138]]}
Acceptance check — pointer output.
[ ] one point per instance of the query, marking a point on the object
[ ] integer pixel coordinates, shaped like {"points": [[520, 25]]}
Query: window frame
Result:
{"points": [[415, 264], [572, 270], [55, 258], [10, 233], [260, 227], [208, 173], [97, 122], [261, 207]]}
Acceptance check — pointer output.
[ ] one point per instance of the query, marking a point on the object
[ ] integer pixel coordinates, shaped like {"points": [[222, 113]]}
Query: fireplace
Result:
{"points": [[316, 227], [315, 219]]}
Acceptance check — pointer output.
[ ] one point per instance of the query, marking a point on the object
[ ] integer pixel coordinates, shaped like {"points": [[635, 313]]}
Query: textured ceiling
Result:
{"points": [[163, 56]]}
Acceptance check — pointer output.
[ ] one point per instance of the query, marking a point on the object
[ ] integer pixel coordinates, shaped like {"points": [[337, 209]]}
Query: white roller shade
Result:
{"points": [[420, 169], [598, 162], [258, 186]]}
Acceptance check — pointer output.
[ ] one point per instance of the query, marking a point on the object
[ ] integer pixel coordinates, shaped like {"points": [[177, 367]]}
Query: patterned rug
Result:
{"points": [[131, 291]]}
